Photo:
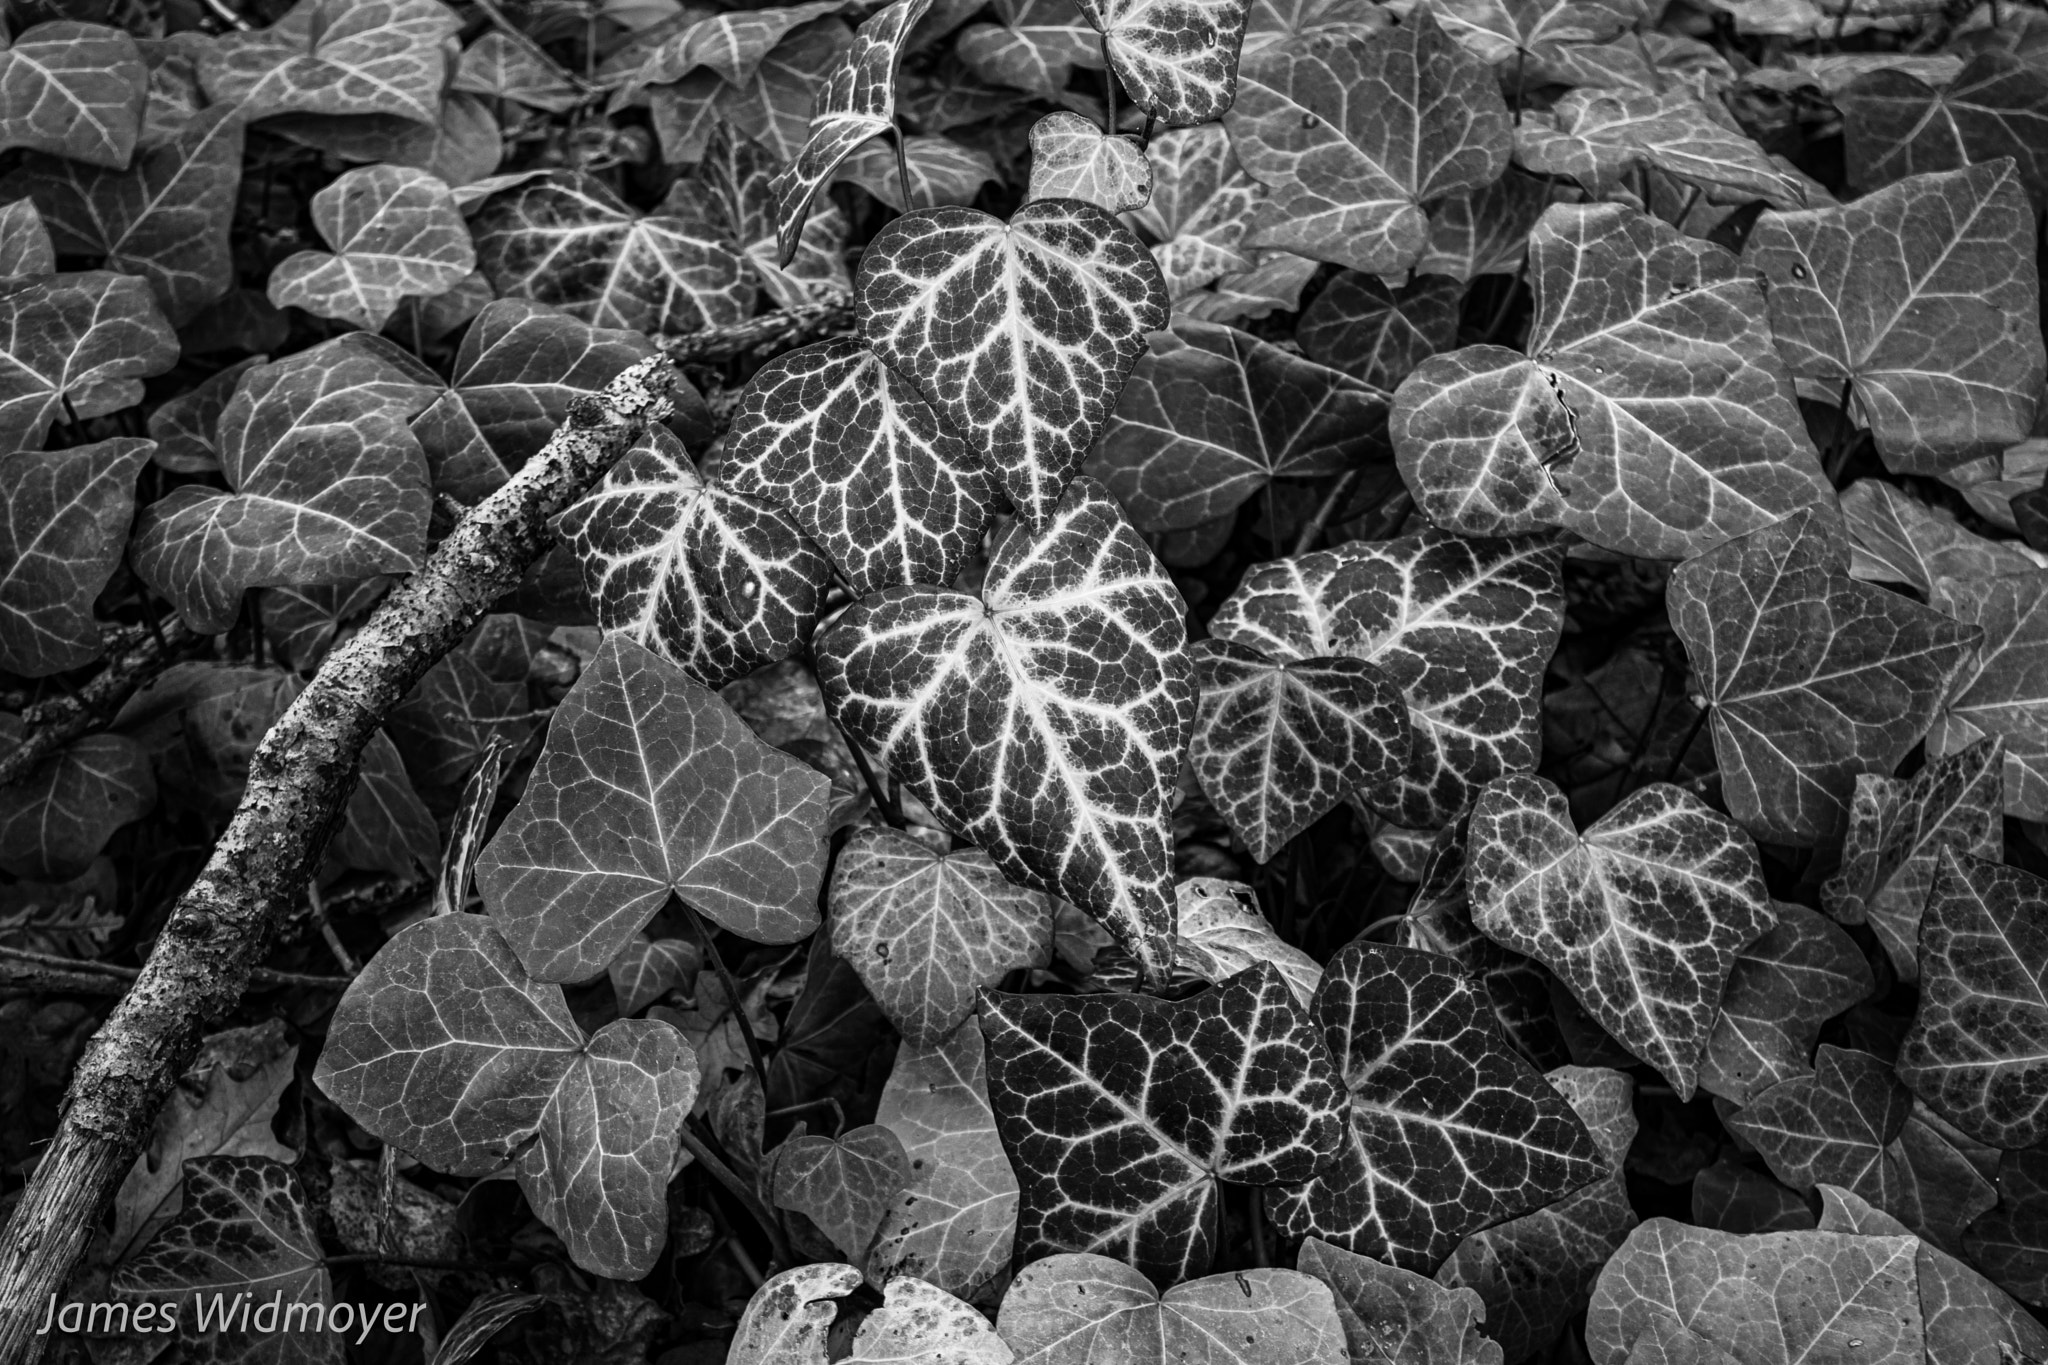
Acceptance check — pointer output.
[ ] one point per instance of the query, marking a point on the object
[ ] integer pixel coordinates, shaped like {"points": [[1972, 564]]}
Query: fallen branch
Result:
{"points": [[777, 331], [52, 724], [300, 779]]}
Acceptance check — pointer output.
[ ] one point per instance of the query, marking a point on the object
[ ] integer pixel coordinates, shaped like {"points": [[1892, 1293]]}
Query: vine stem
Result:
{"points": [[52, 724], [903, 169], [732, 993], [738, 1189]]}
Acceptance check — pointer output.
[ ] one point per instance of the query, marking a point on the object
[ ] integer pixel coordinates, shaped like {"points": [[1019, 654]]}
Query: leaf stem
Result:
{"points": [[903, 169], [732, 992], [1108, 89], [887, 804], [737, 1188], [1339, 491]]}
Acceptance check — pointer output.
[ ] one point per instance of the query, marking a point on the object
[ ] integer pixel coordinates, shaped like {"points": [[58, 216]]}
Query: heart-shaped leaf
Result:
{"points": [[1046, 718], [76, 346], [1122, 1113], [1019, 334], [718, 582], [1814, 677], [566, 239], [1212, 415], [927, 930], [2004, 692], [327, 483], [165, 218], [446, 1048], [1897, 830], [56, 821], [1896, 125], [957, 1218], [1071, 158], [1641, 915], [73, 90], [1978, 1048], [1918, 302], [1463, 627], [1353, 134], [1077, 1308], [856, 102], [1450, 1130], [1803, 972], [1396, 1314], [650, 786], [863, 463], [1278, 745], [336, 57], [1598, 136], [1535, 1273], [1033, 45], [1179, 62], [396, 233], [647, 969], [64, 518], [843, 1184], [1849, 1122], [1360, 326], [1476, 433], [1200, 208]]}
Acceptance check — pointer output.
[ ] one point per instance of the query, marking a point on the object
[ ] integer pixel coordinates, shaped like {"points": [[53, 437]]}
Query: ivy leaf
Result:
{"points": [[1033, 45], [359, 57], [1598, 136], [396, 233], [1211, 415], [650, 786], [1476, 433], [1803, 972], [568, 240], [1200, 208], [1978, 1048], [1897, 830], [1223, 931], [246, 1227], [75, 345], [832, 1029], [498, 68], [2001, 692], [1678, 452], [165, 218], [64, 518], [1379, 335], [1071, 158], [1641, 915], [857, 102], [1353, 134], [1400, 604], [958, 1216], [863, 464], [2006, 1242], [843, 1184], [56, 821], [926, 930], [718, 582], [1496, 31], [1044, 719], [1394, 1314], [1914, 301], [1534, 1273], [1178, 62], [1896, 538], [73, 90], [1278, 745], [1019, 335], [1122, 1113], [788, 1319], [389, 828], [1849, 1122], [1450, 1131], [1896, 125], [328, 486], [1485, 231], [25, 246], [647, 969], [1813, 677], [942, 171], [1077, 1308]]}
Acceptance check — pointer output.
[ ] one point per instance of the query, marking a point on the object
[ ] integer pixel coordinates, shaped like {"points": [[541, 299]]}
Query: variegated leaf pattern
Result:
{"points": [[1642, 914], [869, 471], [1177, 58], [1278, 745], [1045, 719], [1071, 158], [1464, 627], [858, 102], [1449, 1129], [1020, 334], [713, 580], [1122, 1113]]}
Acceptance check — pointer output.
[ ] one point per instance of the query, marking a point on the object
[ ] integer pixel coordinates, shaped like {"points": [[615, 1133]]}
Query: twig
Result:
{"points": [[19, 965], [343, 958], [732, 993], [50, 725], [1332, 500], [777, 331], [300, 779], [739, 1190], [223, 12]]}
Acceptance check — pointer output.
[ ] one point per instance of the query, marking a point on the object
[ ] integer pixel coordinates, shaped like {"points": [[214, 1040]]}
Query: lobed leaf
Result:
{"points": [[396, 233], [1034, 45], [2002, 691], [845, 1184], [1803, 972], [1896, 125], [1179, 60], [1476, 433], [336, 57], [63, 526], [1895, 538], [56, 821], [1360, 326], [1598, 136], [73, 90], [1200, 207], [75, 346], [2006, 1242], [1396, 1314], [1071, 158]]}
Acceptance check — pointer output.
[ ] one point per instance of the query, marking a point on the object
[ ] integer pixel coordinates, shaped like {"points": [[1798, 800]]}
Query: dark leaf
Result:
{"points": [[457, 711], [1476, 433], [1071, 158], [1730, 1197], [650, 786], [1394, 1314], [1380, 335], [1046, 718], [2006, 1243], [76, 346], [1178, 62], [833, 1028], [738, 174], [396, 234], [1484, 231], [1498, 31], [2004, 691], [1814, 678], [64, 518], [1122, 1113], [75, 91], [844, 1184], [54, 823], [1641, 915], [361, 57], [1896, 125], [1019, 334], [1803, 972], [389, 828], [647, 969]]}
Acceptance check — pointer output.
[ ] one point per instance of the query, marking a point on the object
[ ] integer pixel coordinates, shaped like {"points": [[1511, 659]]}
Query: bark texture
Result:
{"points": [[299, 784]]}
